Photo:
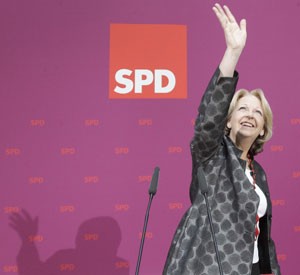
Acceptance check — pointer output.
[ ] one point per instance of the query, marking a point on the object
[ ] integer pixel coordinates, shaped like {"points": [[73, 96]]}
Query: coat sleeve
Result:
{"points": [[212, 113]]}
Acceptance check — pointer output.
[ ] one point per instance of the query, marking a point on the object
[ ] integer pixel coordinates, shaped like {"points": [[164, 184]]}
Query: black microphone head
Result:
{"points": [[202, 181], [154, 181]]}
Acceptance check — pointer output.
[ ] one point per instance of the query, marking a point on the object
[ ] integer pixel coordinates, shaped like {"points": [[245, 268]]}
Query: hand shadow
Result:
{"points": [[95, 251]]}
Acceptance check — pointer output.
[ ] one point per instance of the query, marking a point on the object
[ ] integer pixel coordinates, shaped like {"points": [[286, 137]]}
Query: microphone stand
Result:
{"points": [[143, 235], [152, 192]]}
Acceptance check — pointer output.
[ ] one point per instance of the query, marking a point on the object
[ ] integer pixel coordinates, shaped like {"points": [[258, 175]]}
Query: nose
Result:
{"points": [[250, 115]]}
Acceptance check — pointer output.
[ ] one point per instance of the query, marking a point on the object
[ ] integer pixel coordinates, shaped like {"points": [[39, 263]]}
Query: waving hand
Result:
{"points": [[235, 34], [24, 224], [235, 37]]}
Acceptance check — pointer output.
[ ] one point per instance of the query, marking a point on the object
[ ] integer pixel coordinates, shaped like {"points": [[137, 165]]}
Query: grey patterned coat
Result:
{"points": [[231, 197]]}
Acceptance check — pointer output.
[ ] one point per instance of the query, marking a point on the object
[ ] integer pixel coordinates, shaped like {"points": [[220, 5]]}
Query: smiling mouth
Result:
{"points": [[247, 124]]}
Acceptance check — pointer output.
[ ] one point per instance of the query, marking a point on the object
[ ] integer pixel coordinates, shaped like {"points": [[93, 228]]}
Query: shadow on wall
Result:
{"points": [[95, 253]]}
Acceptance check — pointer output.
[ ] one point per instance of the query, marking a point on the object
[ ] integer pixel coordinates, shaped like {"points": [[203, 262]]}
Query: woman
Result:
{"points": [[238, 193]]}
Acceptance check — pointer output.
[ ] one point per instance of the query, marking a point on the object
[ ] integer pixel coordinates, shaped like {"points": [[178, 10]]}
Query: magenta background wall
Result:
{"points": [[69, 154]]}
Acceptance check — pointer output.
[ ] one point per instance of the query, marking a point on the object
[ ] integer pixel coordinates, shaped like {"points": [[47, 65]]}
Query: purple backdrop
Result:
{"points": [[69, 154]]}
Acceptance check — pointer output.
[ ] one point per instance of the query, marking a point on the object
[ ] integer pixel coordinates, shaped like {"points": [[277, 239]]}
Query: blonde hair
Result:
{"points": [[258, 144]]}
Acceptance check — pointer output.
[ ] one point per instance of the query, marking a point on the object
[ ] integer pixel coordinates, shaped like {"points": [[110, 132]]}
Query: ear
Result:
{"points": [[228, 125]]}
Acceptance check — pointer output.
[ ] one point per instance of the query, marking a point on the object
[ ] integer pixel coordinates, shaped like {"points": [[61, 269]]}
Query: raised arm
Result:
{"points": [[28, 258], [235, 37], [211, 120]]}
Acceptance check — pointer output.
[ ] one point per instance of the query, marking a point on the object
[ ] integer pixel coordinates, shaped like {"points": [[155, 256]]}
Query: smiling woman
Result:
{"points": [[251, 114]]}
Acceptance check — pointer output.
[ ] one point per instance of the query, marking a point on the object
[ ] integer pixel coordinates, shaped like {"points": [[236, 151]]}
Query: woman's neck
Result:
{"points": [[244, 144]]}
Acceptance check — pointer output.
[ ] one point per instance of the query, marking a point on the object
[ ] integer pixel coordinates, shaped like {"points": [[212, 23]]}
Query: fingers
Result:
{"points": [[22, 219], [243, 25], [26, 215], [15, 221], [220, 15], [224, 15], [15, 218], [218, 10], [229, 15]]}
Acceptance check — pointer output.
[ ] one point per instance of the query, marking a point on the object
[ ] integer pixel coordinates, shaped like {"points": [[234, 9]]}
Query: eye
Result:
{"points": [[259, 112], [242, 108]]}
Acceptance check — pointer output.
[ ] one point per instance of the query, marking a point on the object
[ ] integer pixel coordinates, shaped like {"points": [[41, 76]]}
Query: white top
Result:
{"points": [[261, 211]]}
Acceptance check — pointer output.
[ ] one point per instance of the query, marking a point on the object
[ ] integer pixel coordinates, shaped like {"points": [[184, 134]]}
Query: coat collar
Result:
{"points": [[238, 152], [261, 179]]}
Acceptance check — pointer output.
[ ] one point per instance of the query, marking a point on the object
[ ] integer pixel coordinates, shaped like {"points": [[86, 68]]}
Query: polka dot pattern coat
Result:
{"points": [[232, 199]]}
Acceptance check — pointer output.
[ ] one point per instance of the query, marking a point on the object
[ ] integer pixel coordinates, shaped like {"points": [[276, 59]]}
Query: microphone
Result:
{"points": [[204, 191], [154, 182], [152, 192]]}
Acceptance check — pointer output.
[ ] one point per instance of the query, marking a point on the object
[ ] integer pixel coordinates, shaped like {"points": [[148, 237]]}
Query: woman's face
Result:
{"points": [[247, 119]]}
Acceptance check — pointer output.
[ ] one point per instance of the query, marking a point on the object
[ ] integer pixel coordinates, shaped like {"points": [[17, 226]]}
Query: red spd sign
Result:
{"points": [[147, 61]]}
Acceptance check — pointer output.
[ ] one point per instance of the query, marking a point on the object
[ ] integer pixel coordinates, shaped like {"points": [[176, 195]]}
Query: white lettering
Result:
{"points": [[119, 77], [143, 77], [159, 74]]}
